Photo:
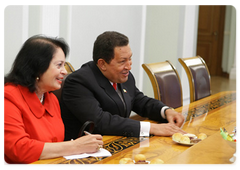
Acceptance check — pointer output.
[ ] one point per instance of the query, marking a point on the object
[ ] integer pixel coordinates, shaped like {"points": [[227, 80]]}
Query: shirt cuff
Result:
{"points": [[162, 111], [144, 128]]}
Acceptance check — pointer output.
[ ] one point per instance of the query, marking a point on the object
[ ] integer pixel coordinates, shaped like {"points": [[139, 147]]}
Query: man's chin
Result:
{"points": [[124, 80]]}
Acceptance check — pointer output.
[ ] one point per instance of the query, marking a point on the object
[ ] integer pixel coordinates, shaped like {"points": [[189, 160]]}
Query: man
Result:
{"points": [[88, 94]]}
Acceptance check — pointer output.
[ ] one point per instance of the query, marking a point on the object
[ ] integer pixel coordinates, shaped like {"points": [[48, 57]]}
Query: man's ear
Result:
{"points": [[102, 64]]}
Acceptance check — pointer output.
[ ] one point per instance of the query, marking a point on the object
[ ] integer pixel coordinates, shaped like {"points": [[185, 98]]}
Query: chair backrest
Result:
{"points": [[198, 77], [165, 82], [69, 69]]}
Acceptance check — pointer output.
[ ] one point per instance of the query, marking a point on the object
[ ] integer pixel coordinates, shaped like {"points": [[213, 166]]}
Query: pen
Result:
{"points": [[87, 133]]}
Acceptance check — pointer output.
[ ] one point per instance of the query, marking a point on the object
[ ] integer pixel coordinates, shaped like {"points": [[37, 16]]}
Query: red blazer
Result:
{"points": [[28, 124]]}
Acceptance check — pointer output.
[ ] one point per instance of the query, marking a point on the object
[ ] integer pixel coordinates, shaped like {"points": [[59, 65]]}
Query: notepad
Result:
{"points": [[101, 153]]}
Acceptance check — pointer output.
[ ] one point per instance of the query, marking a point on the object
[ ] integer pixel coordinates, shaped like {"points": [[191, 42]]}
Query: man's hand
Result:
{"points": [[175, 120], [174, 117], [165, 129]]}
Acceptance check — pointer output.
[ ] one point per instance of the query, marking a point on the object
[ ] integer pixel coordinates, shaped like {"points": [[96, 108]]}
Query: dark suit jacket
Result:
{"points": [[88, 95]]}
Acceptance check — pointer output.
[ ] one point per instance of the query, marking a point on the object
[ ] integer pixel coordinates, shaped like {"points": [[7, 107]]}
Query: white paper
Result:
{"points": [[101, 153]]}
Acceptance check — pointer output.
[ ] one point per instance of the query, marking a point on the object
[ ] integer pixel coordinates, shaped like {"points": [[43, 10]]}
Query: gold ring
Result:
{"points": [[99, 146]]}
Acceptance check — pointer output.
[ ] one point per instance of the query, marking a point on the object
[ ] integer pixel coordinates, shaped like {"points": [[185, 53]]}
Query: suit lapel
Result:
{"points": [[127, 100], [110, 91]]}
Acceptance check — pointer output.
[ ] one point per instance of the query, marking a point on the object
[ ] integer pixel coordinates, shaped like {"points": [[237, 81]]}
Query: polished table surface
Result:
{"points": [[206, 115]]}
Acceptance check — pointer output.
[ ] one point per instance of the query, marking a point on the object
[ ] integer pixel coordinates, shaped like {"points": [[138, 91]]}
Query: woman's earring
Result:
{"points": [[37, 78]]}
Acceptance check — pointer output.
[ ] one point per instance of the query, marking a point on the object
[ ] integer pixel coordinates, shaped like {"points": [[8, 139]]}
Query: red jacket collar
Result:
{"points": [[37, 108]]}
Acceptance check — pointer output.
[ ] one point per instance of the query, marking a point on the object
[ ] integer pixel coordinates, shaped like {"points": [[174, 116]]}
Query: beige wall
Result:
{"points": [[157, 33]]}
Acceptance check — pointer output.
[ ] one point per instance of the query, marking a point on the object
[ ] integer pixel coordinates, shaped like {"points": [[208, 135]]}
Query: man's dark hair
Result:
{"points": [[33, 60], [105, 44]]}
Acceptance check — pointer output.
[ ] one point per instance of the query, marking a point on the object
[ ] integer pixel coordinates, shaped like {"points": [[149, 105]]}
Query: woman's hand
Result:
{"points": [[85, 144], [88, 143]]}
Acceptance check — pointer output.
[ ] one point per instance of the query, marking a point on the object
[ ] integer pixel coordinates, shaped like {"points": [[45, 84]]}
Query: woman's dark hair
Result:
{"points": [[105, 44], [33, 60]]}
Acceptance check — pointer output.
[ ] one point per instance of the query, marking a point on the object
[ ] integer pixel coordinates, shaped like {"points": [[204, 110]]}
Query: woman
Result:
{"points": [[33, 128]]}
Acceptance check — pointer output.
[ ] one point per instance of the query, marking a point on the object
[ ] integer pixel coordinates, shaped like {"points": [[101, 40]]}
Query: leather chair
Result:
{"points": [[198, 77], [165, 82]]}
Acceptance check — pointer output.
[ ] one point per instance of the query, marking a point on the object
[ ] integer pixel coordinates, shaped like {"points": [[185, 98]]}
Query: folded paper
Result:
{"points": [[101, 153]]}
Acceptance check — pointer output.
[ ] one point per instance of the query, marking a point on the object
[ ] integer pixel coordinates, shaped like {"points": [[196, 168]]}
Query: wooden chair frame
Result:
{"points": [[193, 61], [153, 68], [69, 67]]}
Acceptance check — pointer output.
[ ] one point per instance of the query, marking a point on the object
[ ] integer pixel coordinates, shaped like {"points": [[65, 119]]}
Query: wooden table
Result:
{"points": [[206, 115]]}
